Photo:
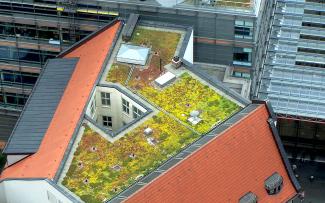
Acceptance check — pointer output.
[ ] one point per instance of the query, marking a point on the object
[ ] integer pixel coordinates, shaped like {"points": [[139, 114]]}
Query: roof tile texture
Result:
{"points": [[45, 162], [232, 164]]}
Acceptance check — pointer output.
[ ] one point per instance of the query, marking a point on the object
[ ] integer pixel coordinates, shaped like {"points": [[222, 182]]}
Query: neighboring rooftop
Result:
{"points": [[224, 74], [293, 76]]}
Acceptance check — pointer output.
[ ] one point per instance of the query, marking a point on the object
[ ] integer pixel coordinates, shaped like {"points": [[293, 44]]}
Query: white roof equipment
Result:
{"points": [[165, 79]]}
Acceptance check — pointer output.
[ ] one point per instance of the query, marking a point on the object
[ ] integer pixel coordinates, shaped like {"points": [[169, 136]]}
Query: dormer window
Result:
{"points": [[248, 198], [273, 184]]}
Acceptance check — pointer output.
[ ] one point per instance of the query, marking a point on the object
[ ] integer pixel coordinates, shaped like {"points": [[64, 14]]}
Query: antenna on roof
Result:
{"points": [[160, 64]]}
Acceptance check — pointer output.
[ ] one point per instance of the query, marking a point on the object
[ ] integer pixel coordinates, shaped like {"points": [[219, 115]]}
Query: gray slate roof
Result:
{"points": [[40, 107]]}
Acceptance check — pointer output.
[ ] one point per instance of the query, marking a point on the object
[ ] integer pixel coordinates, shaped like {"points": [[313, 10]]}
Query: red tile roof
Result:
{"points": [[46, 161], [235, 162]]}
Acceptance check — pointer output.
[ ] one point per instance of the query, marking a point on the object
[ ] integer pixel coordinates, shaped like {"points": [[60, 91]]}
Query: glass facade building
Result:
{"points": [[293, 74]]}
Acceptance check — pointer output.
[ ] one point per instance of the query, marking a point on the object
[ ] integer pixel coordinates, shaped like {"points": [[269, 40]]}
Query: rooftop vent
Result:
{"points": [[176, 61], [194, 119], [148, 131], [248, 198], [274, 183]]}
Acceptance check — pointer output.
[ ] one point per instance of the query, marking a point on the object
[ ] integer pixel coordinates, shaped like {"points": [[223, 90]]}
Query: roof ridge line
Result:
{"points": [[87, 38]]}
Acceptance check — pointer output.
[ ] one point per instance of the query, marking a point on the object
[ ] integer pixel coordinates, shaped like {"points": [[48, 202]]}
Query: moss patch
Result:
{"points": [[162, 42], [118, 73]]}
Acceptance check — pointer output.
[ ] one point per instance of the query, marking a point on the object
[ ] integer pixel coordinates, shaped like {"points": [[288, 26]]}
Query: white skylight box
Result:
{"points": [[133, 54]]}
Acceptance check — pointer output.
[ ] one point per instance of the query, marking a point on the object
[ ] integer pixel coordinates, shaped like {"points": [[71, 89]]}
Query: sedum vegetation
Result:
{"points": [[188, 94], [118, 73], [101, 169], [162, 42]]}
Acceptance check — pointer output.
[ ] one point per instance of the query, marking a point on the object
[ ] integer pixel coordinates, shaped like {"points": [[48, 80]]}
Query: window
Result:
{"points": [[51, 197], [302, 63], [312, 12], [136, 112], [309, 24], [125, 106], [1, 98], [19, 77], [242, 56], [107, 121], [307, 50], [243, 29], [106, 98], [311, 37], [92, 108], [15, 99], [241, 74]]}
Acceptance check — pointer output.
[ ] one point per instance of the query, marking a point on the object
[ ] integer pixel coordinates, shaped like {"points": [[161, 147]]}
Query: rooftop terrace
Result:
{"points": [[100, 168]]}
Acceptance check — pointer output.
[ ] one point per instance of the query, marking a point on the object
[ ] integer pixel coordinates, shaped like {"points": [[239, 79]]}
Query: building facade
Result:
{"points": [[293, 75]]}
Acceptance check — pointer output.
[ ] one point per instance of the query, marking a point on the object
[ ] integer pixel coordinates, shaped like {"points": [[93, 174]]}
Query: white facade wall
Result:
{"points": [[2, 193], [188, 55], [115, 109], [30, 191]]}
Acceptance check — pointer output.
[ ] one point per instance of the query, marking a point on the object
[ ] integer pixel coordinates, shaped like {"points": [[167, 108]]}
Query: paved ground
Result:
{"points": [[314, 190]]}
